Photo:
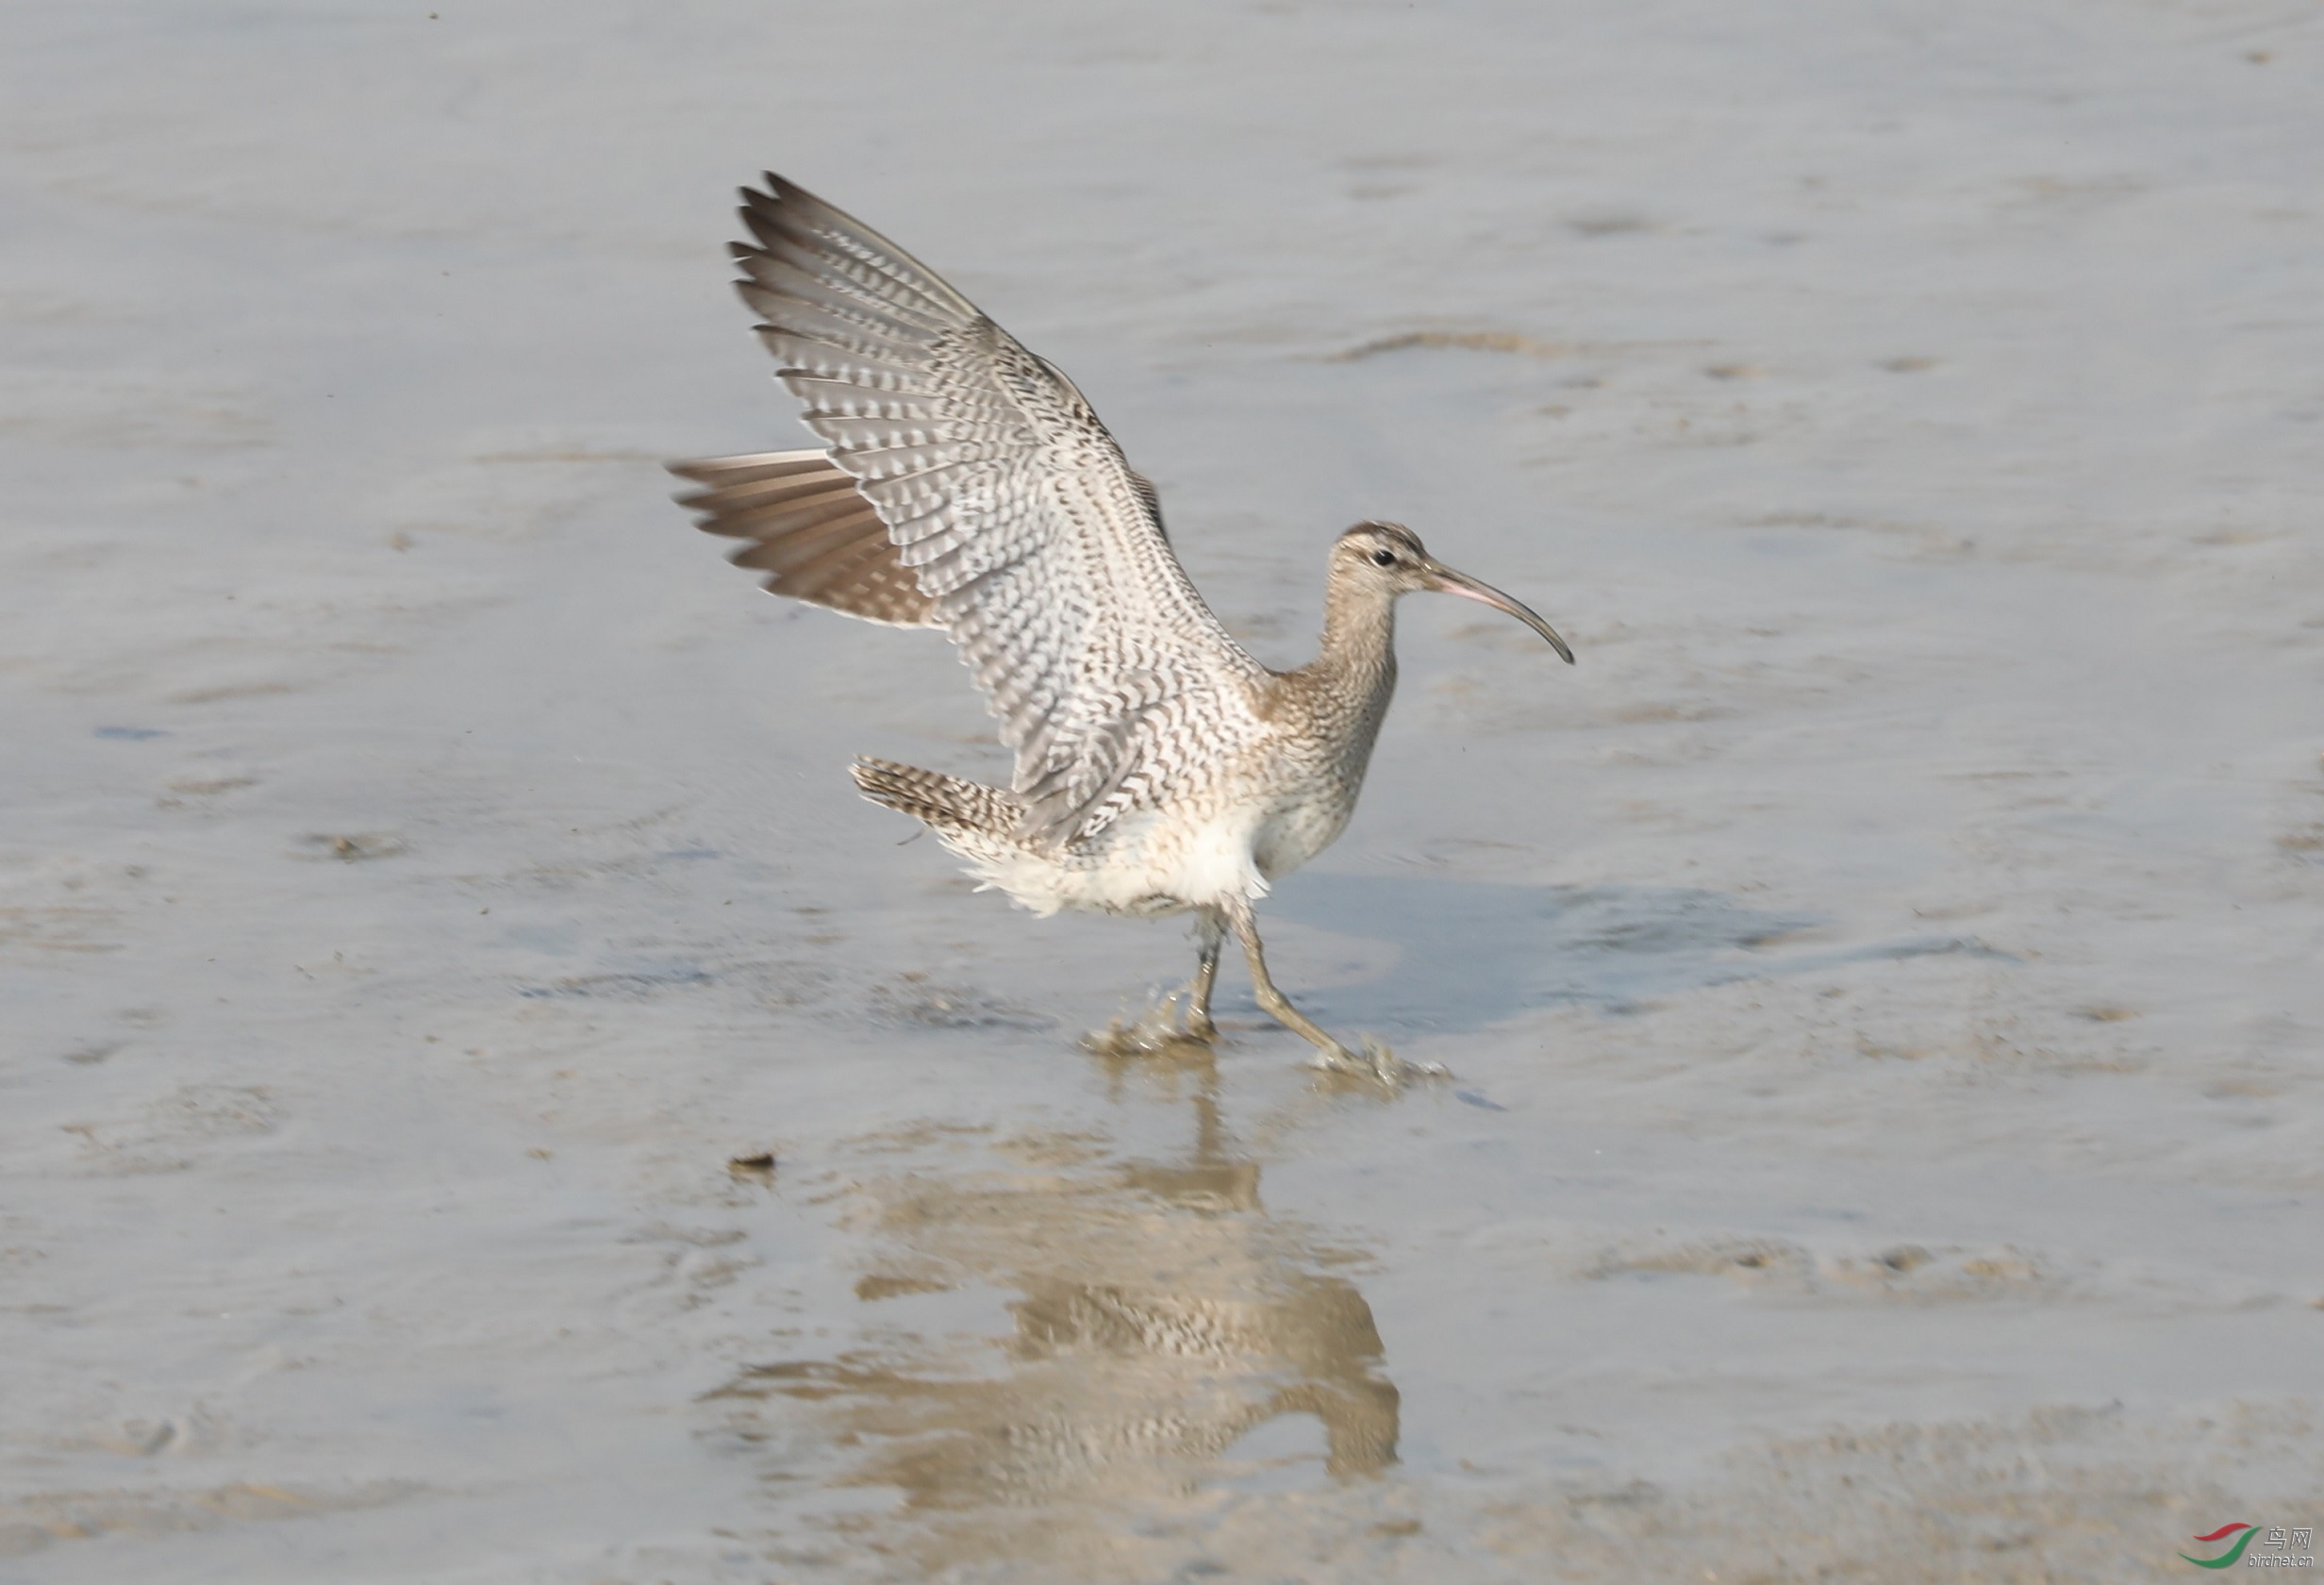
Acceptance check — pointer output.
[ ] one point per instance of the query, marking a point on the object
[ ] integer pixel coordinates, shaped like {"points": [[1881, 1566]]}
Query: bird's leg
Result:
{"points": [[1329, 1053], [1209, 934]]}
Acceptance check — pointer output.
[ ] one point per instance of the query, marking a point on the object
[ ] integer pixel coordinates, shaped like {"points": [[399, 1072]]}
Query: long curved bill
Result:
{"points": [[1446, 581]]}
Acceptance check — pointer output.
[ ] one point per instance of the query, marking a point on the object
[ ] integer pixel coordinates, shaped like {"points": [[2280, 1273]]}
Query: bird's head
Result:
{"points": [[1388, 560]]}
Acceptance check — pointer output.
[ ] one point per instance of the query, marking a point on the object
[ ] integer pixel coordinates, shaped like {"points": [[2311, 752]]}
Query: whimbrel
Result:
{"points": [[965, 484]]}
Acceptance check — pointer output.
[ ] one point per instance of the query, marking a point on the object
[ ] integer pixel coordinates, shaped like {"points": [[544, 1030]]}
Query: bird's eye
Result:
{"points": [[1383, 559]]}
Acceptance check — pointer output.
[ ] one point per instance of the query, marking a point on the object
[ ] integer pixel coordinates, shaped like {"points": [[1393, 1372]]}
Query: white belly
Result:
{"points": [[1157, 862], [1168, 860]]}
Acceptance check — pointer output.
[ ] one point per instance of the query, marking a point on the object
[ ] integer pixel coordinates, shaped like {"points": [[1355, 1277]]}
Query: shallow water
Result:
{"points": [[1878, 982]]}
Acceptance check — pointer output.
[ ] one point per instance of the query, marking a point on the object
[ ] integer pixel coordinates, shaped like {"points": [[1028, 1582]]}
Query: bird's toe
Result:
{"points": [[1376, 1063]]}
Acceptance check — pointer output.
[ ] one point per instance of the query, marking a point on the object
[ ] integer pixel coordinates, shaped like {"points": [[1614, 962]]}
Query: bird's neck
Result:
{"points": [[1359, 634]]}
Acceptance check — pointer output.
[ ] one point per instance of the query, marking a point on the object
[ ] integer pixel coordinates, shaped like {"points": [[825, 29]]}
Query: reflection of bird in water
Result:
{"points": [[1317, 1328], [966, 485], [1164, 1316]]}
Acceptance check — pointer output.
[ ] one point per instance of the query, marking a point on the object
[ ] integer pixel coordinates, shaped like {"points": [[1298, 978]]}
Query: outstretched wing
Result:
{"points": [[814, 535], [811, 532], [1022, 524]]}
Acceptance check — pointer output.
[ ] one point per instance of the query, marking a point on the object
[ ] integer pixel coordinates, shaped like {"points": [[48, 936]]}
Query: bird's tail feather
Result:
{"points": [[945, 803]]}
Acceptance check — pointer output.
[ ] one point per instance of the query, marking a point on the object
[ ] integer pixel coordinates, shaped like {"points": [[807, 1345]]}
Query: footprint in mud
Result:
{"points": [[910, 1002], [352, 847], [36, 1519], [172, 1129], [1906, 1270]]}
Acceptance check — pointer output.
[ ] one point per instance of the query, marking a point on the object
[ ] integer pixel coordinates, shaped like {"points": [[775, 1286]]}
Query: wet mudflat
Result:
{"points": [[1879, 982]]}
